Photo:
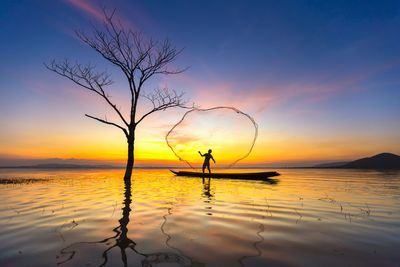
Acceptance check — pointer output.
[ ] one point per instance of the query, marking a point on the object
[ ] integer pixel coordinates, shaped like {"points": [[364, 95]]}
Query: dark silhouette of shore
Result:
{"points": [[383, 161], [62, 166]]}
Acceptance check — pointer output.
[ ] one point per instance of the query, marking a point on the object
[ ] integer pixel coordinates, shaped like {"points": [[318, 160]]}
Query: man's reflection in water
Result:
{"points": [[122, 241], [207, 194]]}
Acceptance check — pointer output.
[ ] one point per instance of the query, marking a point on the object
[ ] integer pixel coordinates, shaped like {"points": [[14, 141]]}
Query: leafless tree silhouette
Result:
{"points": [[139, 59]]}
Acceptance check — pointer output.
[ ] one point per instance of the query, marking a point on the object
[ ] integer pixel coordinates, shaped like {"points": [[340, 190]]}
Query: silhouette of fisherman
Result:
{"points": [[207, 158]]}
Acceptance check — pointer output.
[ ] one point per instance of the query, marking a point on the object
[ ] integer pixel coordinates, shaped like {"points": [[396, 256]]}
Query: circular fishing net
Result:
{"points": [[227, 131]]}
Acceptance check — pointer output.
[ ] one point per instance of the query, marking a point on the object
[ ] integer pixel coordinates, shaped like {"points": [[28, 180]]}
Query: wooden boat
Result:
{"points": [[244, 176]]}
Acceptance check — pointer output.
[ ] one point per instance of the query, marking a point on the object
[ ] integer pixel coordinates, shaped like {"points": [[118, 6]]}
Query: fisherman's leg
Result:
{"points": [[208, 167], [204, 167]]}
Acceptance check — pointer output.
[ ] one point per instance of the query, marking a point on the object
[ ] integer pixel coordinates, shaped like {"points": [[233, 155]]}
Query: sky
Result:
{"points": [[320, 78]]}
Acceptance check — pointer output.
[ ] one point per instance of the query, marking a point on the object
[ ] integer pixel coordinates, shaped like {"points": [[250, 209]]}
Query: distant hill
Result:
{"points": [[331, 164], [63, 166], [380, 161], [84, 166], [72, 166]]}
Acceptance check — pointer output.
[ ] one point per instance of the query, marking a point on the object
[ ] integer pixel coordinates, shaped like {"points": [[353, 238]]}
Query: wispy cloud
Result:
{"points": [[87, 7], [182, 139], [96, 11], [265, 93]]}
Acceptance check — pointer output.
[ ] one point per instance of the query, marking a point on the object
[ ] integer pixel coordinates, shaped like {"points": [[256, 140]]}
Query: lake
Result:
{"points": [[91, 218]]}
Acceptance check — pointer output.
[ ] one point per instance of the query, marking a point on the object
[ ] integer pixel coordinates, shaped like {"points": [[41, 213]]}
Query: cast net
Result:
{"points": [[229, 132]]}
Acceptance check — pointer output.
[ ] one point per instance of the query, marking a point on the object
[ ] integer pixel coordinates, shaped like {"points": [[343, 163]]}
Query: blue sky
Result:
{"points": [[320, 77]]}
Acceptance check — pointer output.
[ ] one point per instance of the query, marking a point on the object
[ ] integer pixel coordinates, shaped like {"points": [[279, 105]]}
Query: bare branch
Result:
{"points": [[162, 99], [129, 51], [108, 122], [86, 77]]}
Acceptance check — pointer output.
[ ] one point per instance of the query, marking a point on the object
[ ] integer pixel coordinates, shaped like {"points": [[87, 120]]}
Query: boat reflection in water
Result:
{"points": [[124, 243]]}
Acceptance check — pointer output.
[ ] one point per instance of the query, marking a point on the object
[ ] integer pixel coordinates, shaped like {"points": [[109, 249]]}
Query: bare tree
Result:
{"points": [[139, 60]]}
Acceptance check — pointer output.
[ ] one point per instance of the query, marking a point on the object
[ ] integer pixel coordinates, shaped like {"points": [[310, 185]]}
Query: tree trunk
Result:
{"points": [[131, 159]]}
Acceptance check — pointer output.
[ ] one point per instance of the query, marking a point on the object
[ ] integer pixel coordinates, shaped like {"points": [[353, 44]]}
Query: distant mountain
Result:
{"points": [[380, 161], [73, 166], [64, 166], [10, 161], [331, 164], [85, 166]]}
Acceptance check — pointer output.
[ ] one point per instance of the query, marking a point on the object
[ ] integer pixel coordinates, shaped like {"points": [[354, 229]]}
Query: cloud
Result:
{"points": [[87, 7], [96, 12], [175, 138], [268, 93]]}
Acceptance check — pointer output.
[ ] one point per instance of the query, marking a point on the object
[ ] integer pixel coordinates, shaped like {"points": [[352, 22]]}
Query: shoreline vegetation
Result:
{"points": [[383, 161], [19, 180]]}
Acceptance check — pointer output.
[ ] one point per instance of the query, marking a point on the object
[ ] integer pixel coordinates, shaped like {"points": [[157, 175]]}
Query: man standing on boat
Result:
{"points": [[207, 158]]}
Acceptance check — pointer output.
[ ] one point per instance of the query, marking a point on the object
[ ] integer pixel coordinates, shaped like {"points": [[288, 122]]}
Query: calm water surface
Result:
{"points": [[91, 218]]}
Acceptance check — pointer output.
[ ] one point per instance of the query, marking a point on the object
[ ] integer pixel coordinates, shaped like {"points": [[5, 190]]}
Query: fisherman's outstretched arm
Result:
{"points": [[201, 154]]}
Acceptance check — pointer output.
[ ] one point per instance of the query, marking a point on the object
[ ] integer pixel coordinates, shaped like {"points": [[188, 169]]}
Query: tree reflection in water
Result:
{"points": [[121, 240]]}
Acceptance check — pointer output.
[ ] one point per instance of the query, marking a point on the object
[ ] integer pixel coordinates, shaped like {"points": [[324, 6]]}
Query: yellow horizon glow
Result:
{"points": [[156, 152], [82, 139]]}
